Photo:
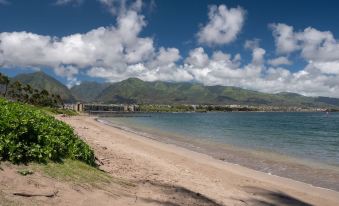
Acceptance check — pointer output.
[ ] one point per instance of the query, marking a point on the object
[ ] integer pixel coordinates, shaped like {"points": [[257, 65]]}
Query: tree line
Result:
{"points": [[16, 91]]}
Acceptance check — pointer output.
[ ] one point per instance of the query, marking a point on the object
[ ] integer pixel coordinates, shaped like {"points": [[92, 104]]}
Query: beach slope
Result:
{"points": [[166, 174]]}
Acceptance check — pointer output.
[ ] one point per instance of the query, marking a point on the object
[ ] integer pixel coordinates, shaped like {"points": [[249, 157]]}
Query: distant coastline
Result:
{"points": [[128, 109]]}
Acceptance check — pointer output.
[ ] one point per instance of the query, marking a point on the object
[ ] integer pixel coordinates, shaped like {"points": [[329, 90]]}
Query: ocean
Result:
{"points": [[300, 146]]}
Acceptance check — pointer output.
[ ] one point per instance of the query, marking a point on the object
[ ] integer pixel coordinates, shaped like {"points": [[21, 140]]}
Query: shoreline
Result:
{"points": [[243, 157], [146, 135], [194, 161]]}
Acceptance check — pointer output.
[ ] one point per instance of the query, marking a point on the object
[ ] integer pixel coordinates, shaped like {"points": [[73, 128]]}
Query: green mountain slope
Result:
{"points": [[137, 91], [40, 80], [88, 91], [134, 90], [328, 100]]}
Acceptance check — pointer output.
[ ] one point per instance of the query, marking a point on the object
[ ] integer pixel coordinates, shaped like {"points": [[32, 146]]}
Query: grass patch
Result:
{"points": [[53, 111], [78, 173], [75, 171]]}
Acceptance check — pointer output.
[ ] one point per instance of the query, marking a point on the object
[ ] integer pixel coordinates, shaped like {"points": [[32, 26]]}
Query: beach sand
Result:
{"points": [[166, 174]]}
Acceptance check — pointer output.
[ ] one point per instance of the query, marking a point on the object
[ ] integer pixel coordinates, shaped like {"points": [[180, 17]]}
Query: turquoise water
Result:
{"points": [[302, 146]]}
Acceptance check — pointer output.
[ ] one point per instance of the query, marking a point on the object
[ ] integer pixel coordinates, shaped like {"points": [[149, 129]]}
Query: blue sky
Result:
{"points": [[270, 46]]}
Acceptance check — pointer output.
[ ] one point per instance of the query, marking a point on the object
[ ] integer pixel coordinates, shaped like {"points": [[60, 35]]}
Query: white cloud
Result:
{"points": [[197, 57], [257, 52], [113, 53], [320, 49], [118, 52], [284, 38], [252, 44], [314, 45], [167, 56], [258, 56], [116, 7], [279, 61], [331, 67], [69, 72], [223, 27], [220, 69], [318, 46], [104, 45], [220, 56]]}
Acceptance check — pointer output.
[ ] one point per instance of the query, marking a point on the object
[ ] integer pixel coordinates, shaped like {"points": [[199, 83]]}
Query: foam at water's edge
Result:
{"points": [[143, 134]]}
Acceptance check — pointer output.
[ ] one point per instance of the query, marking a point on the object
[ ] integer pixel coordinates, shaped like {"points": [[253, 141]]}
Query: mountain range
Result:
{"points": [[40, 80], [136, 91]]}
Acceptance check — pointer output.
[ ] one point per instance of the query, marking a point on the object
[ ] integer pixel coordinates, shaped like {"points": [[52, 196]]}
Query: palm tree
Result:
{"points": [[59, 99], [28, 92], [16, 90], [28, 89], [45, 99], [4, 80], [44, 92]]}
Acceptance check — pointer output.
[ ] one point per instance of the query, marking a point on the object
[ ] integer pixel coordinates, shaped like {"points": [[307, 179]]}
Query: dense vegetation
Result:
{"points": [[29, 134]]}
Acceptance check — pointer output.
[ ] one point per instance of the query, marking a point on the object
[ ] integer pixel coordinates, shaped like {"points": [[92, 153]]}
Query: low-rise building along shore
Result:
{"points": [[96, 107]]}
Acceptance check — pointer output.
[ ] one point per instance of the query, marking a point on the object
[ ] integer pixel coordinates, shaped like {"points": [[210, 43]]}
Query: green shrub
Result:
{"points": [[28, 134]]}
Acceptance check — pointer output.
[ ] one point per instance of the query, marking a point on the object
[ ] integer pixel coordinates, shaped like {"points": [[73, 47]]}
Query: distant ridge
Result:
{"points": [[40, 80], [134, 90], [88, 91]]}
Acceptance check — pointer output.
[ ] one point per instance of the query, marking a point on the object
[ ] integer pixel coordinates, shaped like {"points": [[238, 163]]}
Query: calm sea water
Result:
{"points": [[302, 146]]}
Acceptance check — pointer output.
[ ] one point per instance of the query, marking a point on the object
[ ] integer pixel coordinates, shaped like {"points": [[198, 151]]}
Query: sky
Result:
{"points": [[268, 46]]}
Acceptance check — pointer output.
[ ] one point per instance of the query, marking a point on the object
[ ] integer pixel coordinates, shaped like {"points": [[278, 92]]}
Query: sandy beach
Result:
{"points": [[166, 174]]}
